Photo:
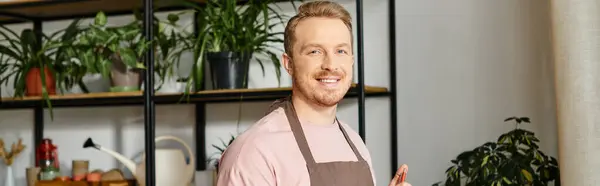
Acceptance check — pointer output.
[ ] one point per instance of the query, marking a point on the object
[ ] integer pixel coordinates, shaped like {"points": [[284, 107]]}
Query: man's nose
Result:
{"points": [[329, 63]]}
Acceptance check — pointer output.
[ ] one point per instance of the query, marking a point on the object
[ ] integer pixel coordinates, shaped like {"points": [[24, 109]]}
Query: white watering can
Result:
{"points": [[170, 164]]}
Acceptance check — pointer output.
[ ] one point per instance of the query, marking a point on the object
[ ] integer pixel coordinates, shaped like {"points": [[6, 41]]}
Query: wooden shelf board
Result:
{"points": [[133, 98], [15, 2], [368, 89]]}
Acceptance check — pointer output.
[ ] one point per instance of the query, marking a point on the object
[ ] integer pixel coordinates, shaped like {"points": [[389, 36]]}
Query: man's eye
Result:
{"points": [[342, 51], [314, 52]]}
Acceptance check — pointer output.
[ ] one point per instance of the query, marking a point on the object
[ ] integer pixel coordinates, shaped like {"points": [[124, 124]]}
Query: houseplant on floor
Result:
{"points": [[514, 159], [229, 36]]}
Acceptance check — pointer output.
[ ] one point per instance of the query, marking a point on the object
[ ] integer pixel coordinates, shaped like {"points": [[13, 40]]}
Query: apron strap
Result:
{"points": [[352, 146], [277, 104], [300, 137], [296, 127]]}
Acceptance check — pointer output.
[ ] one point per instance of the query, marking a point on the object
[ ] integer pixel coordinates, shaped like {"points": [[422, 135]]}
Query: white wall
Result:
{"points": [[121, 128], [463, 67]]}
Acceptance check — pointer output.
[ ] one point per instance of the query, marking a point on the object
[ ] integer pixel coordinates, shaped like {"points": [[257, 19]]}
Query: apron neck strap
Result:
{"points": [[352, 146], [300, 137], [296, 127]]}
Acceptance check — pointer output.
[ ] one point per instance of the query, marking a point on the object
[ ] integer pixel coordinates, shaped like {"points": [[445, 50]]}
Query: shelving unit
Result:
{"points": [[36, 11]]}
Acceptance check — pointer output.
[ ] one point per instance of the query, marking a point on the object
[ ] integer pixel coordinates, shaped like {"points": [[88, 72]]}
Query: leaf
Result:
{"points": [[485, 160], [527, 175], [173, 18], [100, 19], [128, 57], [510, 118], [507, 181]]}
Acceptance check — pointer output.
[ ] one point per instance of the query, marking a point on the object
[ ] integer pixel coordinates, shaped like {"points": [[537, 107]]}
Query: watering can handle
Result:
{"points": [[190, 153]]}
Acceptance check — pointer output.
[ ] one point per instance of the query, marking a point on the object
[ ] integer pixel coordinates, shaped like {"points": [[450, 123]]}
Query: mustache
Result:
{"points": [[329, 73]]}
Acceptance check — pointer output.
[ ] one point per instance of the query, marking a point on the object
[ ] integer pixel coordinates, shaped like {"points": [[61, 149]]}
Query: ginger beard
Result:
{"points": [[316, 88]]}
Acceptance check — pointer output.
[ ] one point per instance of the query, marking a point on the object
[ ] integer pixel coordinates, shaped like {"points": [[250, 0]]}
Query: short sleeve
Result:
{"points": [[245, 164]]}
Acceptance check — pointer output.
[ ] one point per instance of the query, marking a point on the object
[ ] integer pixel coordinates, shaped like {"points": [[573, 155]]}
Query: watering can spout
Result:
{"points": [[129, 164]]}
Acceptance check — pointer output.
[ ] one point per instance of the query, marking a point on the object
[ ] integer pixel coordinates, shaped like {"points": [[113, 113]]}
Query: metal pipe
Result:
{"points": [[149, 112], [393, 93], [200, 136], [38, 110], [38, 126], [361, 71]]}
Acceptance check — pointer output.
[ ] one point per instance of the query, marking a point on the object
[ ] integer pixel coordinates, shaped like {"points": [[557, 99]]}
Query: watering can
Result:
{"points": [[170, 164]]}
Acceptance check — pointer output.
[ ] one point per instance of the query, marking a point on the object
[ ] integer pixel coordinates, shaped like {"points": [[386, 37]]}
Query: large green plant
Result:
{"points": [[223, 25], [169, 44], [28, 50], [100, 43], [514, 159]]}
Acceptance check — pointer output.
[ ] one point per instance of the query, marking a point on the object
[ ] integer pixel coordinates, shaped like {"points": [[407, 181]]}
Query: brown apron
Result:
{"points": [[347, 173]]}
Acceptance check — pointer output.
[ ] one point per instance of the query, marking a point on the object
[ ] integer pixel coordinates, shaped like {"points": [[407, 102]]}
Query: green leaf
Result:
{"points": [[527, 175], [128, 57], [173, 18], [485, 160], [510, 118], [507, 181], [100, 19]]}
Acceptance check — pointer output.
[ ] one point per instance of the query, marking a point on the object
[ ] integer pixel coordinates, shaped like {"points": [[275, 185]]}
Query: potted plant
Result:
{"points": [[229, 36], [38, 62], [514, 159], [114, 52], [215, 161], [169, 45]]}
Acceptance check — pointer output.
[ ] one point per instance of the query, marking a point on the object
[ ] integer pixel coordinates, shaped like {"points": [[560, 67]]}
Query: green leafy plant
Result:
{"points": [[222, 25], [169, 44], [99, 44], [30, 50], [221, 150], [514, 159]]}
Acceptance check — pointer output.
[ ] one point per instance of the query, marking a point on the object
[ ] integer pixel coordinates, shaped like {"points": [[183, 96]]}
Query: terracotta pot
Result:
{"points": [[33, 82]]}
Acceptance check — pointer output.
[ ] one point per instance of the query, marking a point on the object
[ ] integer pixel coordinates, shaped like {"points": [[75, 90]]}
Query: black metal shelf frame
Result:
{"points": [[150, 102]]}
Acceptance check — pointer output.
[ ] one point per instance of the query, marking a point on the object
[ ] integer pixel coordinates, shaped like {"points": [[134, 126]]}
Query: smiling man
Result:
{"points": [[300, 142]]}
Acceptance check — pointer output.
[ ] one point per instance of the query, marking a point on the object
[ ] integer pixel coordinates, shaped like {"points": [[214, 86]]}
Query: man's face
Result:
{"points": [[322, 61]]}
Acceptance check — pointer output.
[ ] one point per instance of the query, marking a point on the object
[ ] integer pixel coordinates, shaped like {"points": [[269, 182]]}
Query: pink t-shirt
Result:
{"points": [[267, 153]]}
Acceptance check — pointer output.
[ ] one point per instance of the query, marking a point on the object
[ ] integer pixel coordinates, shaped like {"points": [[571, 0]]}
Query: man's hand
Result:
{"points": [[397, 180]]}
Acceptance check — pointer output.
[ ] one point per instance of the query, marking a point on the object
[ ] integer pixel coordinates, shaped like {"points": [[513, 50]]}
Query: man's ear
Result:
{"points": [[287, 63]]}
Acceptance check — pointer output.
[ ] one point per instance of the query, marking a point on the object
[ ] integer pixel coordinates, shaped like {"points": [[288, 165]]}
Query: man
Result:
{"points": [[300, 142]]}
